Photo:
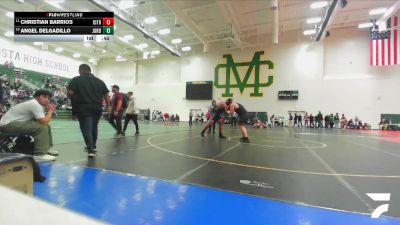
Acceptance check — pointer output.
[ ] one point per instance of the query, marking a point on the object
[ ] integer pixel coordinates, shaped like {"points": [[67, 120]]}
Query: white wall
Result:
{"points": [[161, 81], [332, 76], [119, 73]]}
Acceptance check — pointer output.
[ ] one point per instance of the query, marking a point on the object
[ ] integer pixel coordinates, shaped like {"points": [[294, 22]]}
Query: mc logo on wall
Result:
{"points": [[251, 79]]}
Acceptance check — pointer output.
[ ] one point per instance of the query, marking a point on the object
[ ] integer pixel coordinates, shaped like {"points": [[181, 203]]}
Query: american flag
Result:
{"points": [[383, 45]]}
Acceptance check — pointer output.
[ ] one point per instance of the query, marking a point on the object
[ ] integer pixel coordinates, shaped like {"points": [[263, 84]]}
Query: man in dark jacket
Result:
{"points": [[88, 93]]}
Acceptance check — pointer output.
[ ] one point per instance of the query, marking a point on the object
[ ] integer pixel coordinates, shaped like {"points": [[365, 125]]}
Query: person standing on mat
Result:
{"points": [[233, 107], [191, 118], [213, 109], [336, 120], [88, 93], [306, 120], [219, 109], [166, 119], [115, 115], [131, 113]]}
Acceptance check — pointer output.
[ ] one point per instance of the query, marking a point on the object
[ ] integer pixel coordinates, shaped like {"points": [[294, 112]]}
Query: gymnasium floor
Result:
{"points": [[170, 175]]}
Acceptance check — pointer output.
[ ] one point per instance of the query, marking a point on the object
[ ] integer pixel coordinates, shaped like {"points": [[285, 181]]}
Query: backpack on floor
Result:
{"points": [[24, 144], [125, 101]]}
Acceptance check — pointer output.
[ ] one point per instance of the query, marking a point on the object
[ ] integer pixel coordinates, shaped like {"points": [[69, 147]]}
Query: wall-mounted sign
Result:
{"points": [[251, 79]]}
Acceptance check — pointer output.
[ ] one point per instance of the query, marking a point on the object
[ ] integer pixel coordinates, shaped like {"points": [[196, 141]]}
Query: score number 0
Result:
{"points": [[108, 26], [108, 22]]}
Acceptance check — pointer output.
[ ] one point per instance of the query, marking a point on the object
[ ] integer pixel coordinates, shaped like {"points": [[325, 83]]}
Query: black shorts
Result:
{"points": [[216, 118], [217, 115], [243, 118]]}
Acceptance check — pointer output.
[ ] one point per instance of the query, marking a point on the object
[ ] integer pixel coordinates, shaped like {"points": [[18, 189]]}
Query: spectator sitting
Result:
{"points": [[343, 122], [357, 123], [312, 121], [280, 121], [331, 120], [367, 126], [350, 124], [177, 117], [14, 93], [326, 121], [383, 124], [272, 119], [259, 124], [336, 120], [1, 92], [29, 118]]}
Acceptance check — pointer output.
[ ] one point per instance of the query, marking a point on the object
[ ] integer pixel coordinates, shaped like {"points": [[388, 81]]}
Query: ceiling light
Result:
{"points": [[120, 58], [186, 48], [58, 49], [382, 26], [37, 43], [309, 32], [319, 4], [93, 61], [128, 37], [164, 31], [143, 45], [146, 55], [378, 11], [76, 55], [10, 14], [176, 41], [126, 4], [85, 10], [103, 51], [365, 25], [155, 52], [150, 20], [9, 33], [314, 20], [122, 39], [87, 45]]}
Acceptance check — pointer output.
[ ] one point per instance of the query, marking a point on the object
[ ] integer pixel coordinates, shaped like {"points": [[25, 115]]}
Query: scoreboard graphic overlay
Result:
{"points": [[63, 26]]}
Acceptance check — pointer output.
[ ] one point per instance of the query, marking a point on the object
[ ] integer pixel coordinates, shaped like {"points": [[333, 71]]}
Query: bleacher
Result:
{"points": [[7, 71], [32, 80]]}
